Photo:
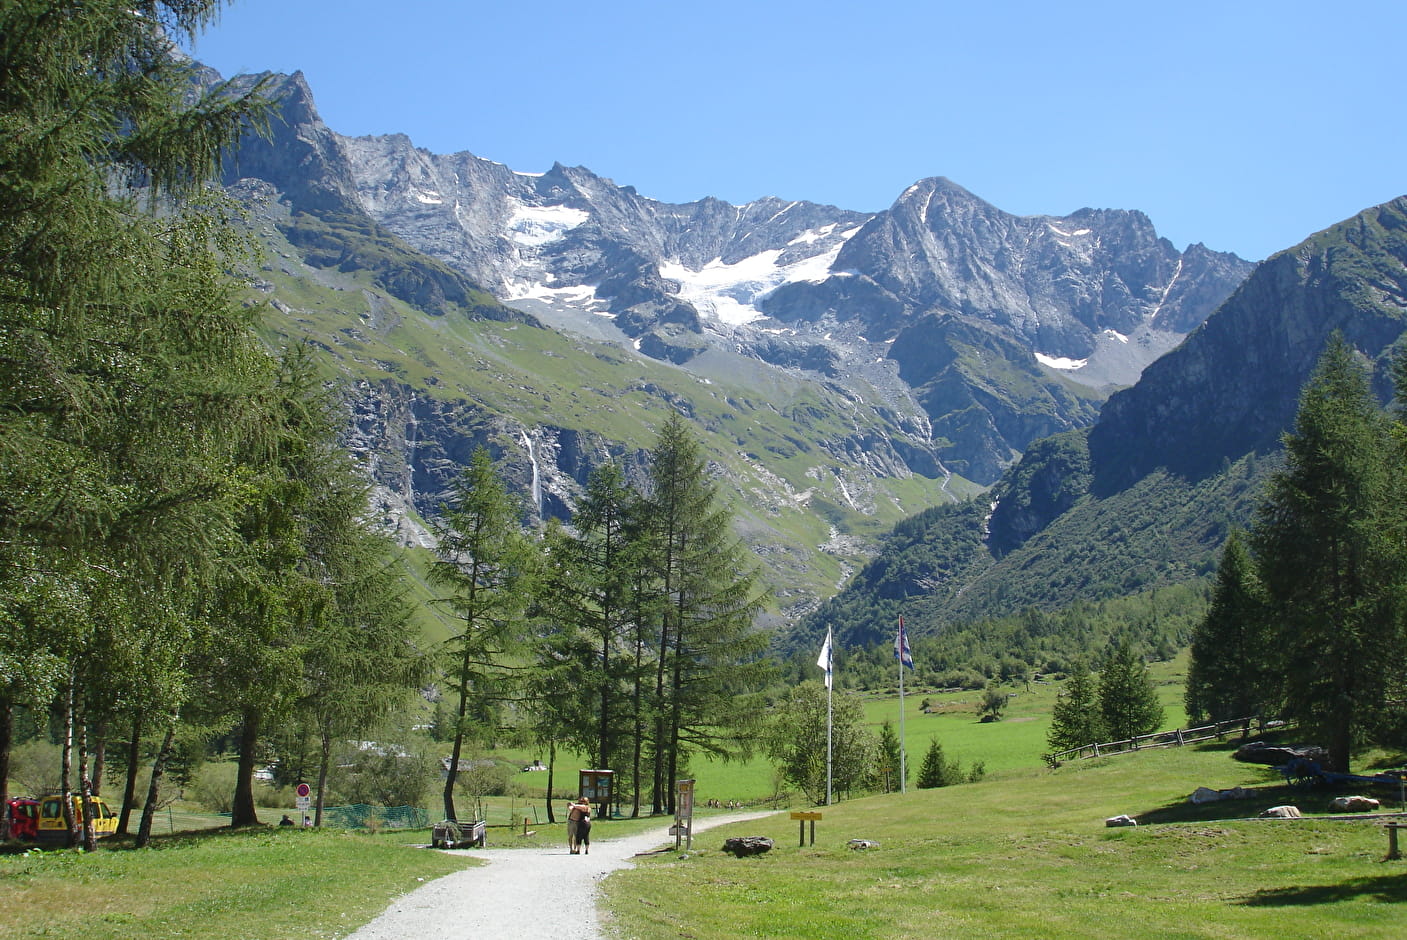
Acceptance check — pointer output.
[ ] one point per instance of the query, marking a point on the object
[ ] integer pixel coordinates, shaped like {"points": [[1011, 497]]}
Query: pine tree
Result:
{"points": [[1326, 553], [489, 567], [936, 770], [1128, 703], [886, 769], [1076, 720], [1233, 673]]}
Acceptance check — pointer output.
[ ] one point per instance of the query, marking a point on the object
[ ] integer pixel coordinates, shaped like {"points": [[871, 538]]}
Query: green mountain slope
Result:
{"points": [[804, 461], [1146, 496]]}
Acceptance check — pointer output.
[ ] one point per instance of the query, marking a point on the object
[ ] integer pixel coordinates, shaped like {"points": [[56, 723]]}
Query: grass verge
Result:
{"points": [[280, 884]]}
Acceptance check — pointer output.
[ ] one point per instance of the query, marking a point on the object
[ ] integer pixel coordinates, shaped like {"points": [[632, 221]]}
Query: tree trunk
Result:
{"points": [[66, 769], [99, 757], [85, 789], [243, 813], [7, 734], [453, 774], [158, 768], [129, 790], [324, 759], [551, 770]]}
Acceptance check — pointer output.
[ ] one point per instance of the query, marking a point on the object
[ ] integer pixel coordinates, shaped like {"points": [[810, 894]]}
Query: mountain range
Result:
{"points": [[846, 369], [1146, 496]]}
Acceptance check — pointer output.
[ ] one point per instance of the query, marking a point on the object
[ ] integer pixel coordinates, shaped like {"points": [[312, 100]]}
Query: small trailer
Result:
{"points": [[1304, 773]]}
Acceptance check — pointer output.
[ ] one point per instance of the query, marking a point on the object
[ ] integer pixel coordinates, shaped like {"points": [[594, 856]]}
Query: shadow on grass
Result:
{"points": [[1386, 888], [1258, 799]]}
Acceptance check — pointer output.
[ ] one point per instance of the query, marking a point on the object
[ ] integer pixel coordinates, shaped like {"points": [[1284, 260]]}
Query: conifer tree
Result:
{"points": [[1324, 541], [127, 370], [1128, 703], [936, 770], [886, 769], [1233, 671], [488, 566], [708, 653], [1076, 719], [586, 594]]}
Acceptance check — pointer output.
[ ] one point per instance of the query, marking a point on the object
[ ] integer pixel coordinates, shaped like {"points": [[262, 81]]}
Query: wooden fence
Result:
{"points": [[1218, 730]]}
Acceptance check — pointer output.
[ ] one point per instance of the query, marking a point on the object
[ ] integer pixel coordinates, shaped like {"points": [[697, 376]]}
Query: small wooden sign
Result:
{"points": [[803, 819]]}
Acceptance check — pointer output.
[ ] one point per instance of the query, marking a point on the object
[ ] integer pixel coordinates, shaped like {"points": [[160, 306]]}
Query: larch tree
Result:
{"points": [[488, 566], [1075, 719], [1328, 555], [587, 594], [126, 365], [709, 662]]}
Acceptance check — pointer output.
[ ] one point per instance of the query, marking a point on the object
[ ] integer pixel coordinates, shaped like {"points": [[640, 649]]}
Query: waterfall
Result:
{"points": [[537, 472]]}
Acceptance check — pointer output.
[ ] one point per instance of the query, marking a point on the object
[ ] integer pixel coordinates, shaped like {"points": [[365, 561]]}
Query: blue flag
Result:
{"points": [[901, 646]]}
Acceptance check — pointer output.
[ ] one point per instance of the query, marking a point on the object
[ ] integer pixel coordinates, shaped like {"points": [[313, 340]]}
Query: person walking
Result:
{"points": [[579, 810], [583, 828]]}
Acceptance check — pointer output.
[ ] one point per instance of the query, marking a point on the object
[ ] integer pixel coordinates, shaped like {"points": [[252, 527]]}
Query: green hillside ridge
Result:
{"points": [[763, 427]]}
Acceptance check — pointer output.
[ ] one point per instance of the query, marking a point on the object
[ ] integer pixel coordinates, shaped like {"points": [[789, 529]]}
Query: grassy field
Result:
{"points": [[272, 883], [1026, 854], [1015, 743]]}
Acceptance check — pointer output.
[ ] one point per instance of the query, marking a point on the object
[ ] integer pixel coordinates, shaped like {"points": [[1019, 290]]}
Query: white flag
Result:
{"points": [[824, 660]]}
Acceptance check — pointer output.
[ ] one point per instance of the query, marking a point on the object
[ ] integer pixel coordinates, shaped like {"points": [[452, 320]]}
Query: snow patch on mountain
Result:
{"points": [[535, 226], [730, 292], [1060, 362]]}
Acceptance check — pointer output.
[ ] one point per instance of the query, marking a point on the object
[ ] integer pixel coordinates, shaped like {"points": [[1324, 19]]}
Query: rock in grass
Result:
{"points": [[747, 845], [1125, 820], [1281, 812]]}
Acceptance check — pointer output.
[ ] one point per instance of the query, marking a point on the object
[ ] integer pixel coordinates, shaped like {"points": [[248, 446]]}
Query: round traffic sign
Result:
{"points": [[304, 789]]}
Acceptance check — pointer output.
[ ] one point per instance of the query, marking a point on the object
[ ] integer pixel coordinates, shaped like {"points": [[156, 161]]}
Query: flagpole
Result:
{"points": [[903, 771], [827, 661], [905, 658], [829, 751]]}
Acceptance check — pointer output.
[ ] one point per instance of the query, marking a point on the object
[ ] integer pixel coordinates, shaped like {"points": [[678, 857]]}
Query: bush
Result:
{"points": [[213, 786]]}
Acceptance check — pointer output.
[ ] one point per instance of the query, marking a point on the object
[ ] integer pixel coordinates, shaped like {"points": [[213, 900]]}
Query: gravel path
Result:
{"points": [[542, 892]]}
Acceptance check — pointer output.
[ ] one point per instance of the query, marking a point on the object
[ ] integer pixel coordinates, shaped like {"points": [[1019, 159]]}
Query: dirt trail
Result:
{"points": [[541, 892]]}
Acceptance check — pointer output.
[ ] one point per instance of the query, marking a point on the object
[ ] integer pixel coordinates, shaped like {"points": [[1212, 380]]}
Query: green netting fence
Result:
{"points": [[368, 816]]}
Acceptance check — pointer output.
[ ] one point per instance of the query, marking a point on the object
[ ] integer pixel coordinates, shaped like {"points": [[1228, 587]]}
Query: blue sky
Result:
{"points": [[1242, 124]]}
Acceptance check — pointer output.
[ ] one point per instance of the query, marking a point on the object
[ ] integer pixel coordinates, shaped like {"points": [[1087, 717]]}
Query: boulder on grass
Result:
{"points": [[1281, 812], [1354, 804], [1208, 795], [1124, 820], [747, 845], [1275, 755]]}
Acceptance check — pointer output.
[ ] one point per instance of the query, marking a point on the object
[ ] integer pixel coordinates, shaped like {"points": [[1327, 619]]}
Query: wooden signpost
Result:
{"points": [[804, 819], [683, 829]]}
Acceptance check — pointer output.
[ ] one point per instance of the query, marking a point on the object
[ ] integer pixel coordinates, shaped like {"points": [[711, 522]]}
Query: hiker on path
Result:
{"points": [[579, 810]]}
